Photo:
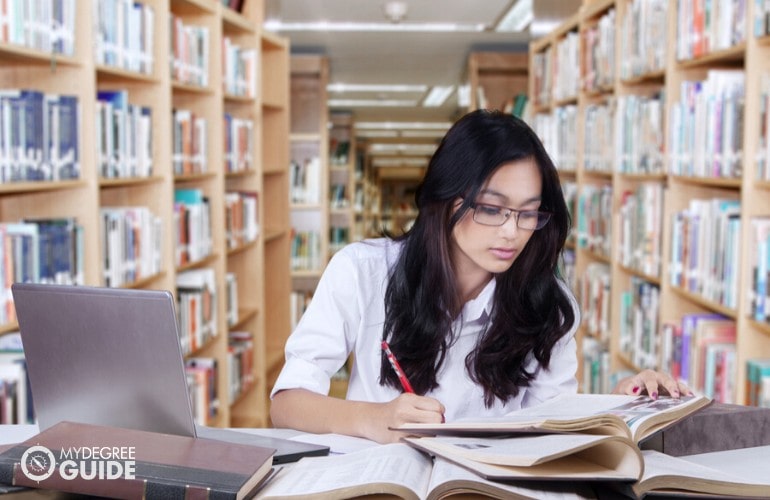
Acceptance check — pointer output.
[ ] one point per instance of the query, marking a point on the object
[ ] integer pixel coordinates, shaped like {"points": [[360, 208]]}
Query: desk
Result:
{"points": [[746, 462]]}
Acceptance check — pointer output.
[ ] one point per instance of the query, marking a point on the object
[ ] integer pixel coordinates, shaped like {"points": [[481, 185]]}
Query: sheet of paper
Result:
{"points": [[393, 463], [337, 443]]}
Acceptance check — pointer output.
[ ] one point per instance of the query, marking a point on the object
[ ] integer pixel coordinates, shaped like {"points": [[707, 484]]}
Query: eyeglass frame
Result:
{"points": [[474, 205]]}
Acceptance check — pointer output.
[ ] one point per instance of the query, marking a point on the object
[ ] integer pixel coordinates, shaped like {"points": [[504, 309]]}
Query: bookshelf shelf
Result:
{"points": [[239, 99], [652, 77], [697, 299], [240, 174], [232, 20], [707, 181], [192, 7], [182, 178], [146, 281], [192, 89], [129, 181], [273, 235], [18, 54], [9, 327], [244, 315], [109, 73], [206, 261], [732, 55], [36, 187], [761, 327], [646, 277], [242, 248]]}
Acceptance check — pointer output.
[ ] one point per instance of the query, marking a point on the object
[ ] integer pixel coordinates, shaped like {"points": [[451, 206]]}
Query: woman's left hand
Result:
{"points": [[653, 383]]}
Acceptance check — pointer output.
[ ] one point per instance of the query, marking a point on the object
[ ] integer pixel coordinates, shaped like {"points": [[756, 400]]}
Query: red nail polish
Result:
{"points": [[635, 389]]}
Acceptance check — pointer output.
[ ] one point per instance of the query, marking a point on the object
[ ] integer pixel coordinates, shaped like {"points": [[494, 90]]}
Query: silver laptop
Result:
{"points": [[112, 357]]}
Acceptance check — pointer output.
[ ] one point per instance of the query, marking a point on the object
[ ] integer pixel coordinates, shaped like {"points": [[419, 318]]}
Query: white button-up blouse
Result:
{"points": [[346, 315]]}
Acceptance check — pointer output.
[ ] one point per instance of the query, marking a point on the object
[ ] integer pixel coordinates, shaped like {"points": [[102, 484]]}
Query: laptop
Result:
{"points": [[111, 356]]}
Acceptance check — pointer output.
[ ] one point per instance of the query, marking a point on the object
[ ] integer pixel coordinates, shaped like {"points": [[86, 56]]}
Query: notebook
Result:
{"points": [[110, 356]]}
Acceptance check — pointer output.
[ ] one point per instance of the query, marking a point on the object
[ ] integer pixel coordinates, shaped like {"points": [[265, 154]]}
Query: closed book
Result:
{"points": [[126, 463], [717, 427]]}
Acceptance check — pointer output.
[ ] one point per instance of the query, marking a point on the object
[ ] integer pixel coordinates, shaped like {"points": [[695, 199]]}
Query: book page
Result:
{"points": [[520, 451], [640, 413], [354, 473], [750, 464], [664, 472], [450, 477]]}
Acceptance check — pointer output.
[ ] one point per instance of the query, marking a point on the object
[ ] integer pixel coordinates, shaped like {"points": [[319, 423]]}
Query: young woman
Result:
{"points": [[469, 300]]}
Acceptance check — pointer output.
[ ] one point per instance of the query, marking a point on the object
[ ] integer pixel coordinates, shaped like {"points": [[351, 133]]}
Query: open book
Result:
{"points": [[582, 457], [723, 474], [398, 469], [634, 417]]}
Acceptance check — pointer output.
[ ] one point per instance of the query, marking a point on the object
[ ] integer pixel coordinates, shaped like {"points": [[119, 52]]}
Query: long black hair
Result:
{"points": [[531, 309]]}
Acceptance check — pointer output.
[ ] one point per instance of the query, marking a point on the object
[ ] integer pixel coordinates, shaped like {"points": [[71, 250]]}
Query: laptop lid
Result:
{"points": [[111, 356]]}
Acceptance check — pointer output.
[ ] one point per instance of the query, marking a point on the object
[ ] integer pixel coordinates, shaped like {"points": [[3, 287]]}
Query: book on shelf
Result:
{"points": [[128, 463], [39, 139], [124, 35], [399, 470], [632, 417]]}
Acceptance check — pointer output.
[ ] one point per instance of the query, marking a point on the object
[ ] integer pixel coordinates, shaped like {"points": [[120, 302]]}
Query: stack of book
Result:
{"points": [[573, 446]]}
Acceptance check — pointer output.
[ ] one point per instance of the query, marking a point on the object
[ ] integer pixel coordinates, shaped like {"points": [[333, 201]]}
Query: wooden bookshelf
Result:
{"points": [[261, 266], [309, 179], [495, 78], [655, 79], [342, 185]]}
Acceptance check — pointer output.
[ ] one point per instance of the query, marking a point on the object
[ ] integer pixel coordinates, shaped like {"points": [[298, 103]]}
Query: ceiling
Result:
{"points": [[396, 53]]}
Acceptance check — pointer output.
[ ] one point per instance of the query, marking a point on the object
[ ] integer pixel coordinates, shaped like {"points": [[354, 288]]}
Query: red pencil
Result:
{"points": [[397, 368]]}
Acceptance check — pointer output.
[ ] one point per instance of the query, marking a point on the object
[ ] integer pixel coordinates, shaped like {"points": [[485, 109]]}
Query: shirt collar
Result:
{"points": [[480, 308]]}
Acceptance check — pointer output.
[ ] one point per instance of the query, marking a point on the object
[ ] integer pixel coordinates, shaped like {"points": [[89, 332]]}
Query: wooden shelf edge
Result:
{"points": [[39, 186], [703, 302], [244, 314]]}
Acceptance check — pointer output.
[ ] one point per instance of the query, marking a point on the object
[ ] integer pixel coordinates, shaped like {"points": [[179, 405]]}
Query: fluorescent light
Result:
{"points": [[352, 103], [276, 26], [423, 133], [437, 95], [363, 87], [518, 17], [376, 133], [401, 161], [464, 95], [426, 149], [404, 125]]}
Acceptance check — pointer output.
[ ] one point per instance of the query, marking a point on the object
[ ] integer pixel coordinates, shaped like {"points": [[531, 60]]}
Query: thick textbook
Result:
{"points": [[724, 474], [401, 471], [126, 463], [634, 417]]}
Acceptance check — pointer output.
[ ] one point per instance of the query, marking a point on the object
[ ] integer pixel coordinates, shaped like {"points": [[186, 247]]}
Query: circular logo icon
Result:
{"points": [[38, 463]]}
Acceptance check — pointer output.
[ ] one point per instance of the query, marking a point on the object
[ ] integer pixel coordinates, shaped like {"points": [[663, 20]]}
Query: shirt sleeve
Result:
{"points": [[324, 337], [560, 376]]}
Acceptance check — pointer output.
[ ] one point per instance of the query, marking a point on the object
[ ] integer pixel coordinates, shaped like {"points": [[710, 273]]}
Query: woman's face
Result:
{"points": [[480, 250]]}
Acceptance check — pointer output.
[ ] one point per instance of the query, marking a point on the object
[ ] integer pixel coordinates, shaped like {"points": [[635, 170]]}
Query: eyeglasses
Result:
{"points": [[493, 215]]}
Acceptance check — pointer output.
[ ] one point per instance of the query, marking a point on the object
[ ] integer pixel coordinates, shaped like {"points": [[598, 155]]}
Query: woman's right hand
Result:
{"points": [[405, 409]]}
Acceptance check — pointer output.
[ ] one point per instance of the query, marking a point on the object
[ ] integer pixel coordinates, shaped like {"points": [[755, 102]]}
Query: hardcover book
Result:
{"points": [[70, 457]]}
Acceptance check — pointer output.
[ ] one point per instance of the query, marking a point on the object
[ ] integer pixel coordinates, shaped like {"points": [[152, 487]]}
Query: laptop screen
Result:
{"points": [[104, 356]]}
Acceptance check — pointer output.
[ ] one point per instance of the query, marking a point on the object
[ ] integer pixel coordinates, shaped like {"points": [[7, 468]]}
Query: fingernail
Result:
{"points": [[654, 395], [635, 389], [676, 394]]}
